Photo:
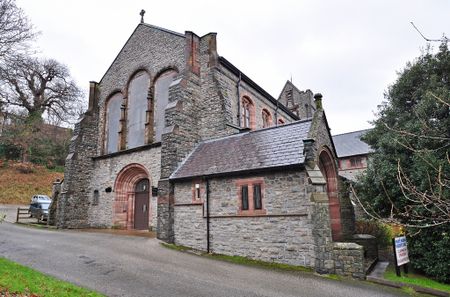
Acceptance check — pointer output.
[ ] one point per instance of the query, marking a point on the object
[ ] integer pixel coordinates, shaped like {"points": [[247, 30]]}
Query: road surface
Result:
{"points": [[138, 266]]}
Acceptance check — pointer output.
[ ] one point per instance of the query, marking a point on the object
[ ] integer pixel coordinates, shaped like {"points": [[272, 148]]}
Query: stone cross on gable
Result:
{"points": [[142, 15]]}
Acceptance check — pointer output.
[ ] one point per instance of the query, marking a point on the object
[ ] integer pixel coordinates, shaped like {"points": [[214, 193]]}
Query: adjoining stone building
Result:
{"points": [[352, 153], [177, 139]]}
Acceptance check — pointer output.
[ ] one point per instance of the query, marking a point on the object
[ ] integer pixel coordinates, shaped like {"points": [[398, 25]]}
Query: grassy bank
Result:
{"points": [[415, 279], [24, 281], [17, 187]]}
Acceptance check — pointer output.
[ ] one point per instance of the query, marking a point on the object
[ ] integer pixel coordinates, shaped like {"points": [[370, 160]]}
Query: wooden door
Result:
{"points": [[141, 205]]}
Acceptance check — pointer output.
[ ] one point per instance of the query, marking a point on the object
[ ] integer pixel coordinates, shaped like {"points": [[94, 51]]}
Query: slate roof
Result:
{"points": [[261, 149], [350, 144]]}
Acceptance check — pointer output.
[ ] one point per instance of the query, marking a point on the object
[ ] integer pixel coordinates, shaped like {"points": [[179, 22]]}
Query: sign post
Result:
{"points": [[400, 254]]}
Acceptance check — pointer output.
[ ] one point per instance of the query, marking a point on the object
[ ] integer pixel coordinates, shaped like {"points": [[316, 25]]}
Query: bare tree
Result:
{"points": [[15, 29], [43, 87]]}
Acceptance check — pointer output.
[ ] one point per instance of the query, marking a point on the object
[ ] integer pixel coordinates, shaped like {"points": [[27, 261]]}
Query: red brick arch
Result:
{"points": [[124, 188], [328, 168]]}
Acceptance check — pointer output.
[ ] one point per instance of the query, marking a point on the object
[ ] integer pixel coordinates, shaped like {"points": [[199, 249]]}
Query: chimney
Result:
{"points": [[92, 95], [318, 101], [192, 52], [212, 49]]}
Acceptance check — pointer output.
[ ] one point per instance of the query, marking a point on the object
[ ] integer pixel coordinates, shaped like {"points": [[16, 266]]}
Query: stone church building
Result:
{"points": [[178, 140]]}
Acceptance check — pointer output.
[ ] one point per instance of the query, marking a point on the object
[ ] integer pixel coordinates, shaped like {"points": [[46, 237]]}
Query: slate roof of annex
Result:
{"points": [[350, 144], [254, 150]]}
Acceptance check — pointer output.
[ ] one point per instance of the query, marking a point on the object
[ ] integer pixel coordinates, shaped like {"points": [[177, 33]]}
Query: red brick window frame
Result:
{"points": [[356, 162], [198, 191], [248, 113], [266, 118], [280, 122], [250, 194]]}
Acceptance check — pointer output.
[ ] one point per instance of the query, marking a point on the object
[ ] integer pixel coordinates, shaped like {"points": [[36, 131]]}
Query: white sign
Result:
{"points": [[401, 250]]}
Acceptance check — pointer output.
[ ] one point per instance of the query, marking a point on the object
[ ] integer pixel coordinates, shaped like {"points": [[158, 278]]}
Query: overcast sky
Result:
{"points": [[350, 51]]}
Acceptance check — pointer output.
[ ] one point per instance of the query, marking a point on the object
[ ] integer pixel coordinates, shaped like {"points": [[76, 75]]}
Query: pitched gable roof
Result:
{"points": [[350, 144], [140, 25], [255, 150]]}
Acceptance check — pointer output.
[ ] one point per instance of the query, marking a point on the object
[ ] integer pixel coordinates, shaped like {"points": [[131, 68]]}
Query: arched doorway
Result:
{"points": [[141, 205], [326, 165], [132, 200]]}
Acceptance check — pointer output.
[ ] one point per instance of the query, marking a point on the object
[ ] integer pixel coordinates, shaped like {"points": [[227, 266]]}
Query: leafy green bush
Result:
{"points": [[381, 231], [429, 252]]}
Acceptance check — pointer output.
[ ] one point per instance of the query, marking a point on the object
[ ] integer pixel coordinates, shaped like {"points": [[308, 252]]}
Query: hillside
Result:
{"points": [[18, 182]]}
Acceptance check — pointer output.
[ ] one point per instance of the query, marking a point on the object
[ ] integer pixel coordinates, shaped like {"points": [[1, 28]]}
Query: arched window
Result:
{"points": [[248, 112], [112, 124], [137, 108], [266, 118], [162, 85], [280, 122]]}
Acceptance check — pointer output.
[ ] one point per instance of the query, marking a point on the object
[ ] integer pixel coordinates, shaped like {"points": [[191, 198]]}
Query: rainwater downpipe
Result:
{"points": [[276, 113], [207, 216], [238, 86]]}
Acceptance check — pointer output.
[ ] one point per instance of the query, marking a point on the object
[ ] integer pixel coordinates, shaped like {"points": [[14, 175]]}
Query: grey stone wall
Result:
{"points": [[349, 259], [283, 234], [106, 171], [148, 48], [228, 82], [322, 137], [73, 204]]}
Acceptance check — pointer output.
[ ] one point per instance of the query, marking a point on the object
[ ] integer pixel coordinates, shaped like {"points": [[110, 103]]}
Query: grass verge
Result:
{"points": [[244, 261], [15, 278], [415, 279]]}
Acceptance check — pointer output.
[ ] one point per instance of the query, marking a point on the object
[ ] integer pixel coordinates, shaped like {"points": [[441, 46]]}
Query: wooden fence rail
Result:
{"points": [[22, 213]]}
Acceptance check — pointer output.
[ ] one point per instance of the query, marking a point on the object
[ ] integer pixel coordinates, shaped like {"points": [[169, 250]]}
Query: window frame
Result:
{"points": [[266, 118], [247, 113], [356, 162], [132, 105], [251, 185], [198, 193], [107, 121]]}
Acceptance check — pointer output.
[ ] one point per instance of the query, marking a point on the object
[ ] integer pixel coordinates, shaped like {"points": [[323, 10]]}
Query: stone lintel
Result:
{"points": [[347, 246], [319, 197]]}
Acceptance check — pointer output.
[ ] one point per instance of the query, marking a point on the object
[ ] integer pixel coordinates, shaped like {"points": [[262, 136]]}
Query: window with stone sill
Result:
{"points": [[162, 86], [251, 197], [248, 113], [137, 107], [112, 123], [266, 118], [198, 191]]}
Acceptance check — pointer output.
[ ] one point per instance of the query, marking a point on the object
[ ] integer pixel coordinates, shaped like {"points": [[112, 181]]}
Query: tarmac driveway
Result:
{"points": [[138, 266]]}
